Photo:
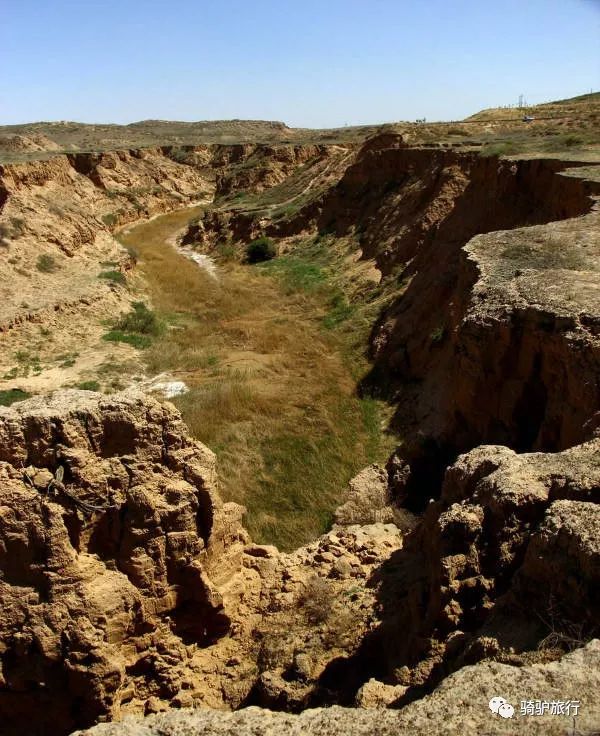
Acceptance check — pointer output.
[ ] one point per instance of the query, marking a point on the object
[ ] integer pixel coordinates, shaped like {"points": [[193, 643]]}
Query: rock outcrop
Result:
{"points": [[110, 533], [504, 565], [127, 586], [458, 706]]}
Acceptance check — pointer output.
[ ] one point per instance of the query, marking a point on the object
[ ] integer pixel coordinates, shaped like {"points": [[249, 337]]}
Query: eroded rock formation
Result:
{"points": [[106, 572], [459, 705]]}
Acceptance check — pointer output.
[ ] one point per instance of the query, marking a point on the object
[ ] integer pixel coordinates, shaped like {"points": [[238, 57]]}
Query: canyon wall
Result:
{"points": [[494, 335]]}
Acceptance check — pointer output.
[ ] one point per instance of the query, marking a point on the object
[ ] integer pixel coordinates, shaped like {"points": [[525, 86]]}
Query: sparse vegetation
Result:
{"points": [[11, 396], [115, 277], [505, 148], [110, 219], [437, 334], [137, 328], [89, 386], [270, 392], [317, 600], [46, 263], [259, 250], [549, 254], [140, 320]]}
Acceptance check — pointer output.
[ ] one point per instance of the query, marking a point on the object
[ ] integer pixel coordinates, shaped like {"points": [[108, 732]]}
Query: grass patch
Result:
{"points": [[551, 254], [110, 219], [506, 148], [296, 274], [89, 386], [115, 277], [137, 341], [271, 391], [11, 396], [46, 263], [339, 310], [137, 327]]}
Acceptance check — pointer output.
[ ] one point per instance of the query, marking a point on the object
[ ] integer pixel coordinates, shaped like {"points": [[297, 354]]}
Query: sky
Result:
{"points": [[309, 63]]}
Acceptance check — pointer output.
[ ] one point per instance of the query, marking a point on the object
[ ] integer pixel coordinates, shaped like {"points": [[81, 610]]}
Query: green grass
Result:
{"points": [[437, 334], [89, 386], [115, 277], [11, 396], [137, 341], [140, 320], [271, 354], [339, 310], [295, 273]]}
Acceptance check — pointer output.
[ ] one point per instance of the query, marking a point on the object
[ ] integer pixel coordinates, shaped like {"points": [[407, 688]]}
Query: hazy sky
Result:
{"points": [[307, 62]]}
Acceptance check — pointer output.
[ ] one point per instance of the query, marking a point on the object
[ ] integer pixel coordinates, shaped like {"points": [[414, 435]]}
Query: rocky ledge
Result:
{"points": [[127, 588], [458, 706]]}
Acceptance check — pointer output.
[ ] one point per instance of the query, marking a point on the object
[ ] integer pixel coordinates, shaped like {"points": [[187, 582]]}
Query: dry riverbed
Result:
{"points": [[268, 388]]}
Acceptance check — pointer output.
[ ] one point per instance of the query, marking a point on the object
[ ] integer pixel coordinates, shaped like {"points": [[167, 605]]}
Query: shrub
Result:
{"points": [[317, 600], [136, 341], [498, 149], [259, 250], [89, 386], [115, 277], [437, 334], [109, 219], [12, 396], [140, 320], [46, 263], [18, 226], [136, 328]]}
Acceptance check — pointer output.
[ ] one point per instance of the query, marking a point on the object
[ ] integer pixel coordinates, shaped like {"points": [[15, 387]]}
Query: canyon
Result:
{"points": [[430, 322]]}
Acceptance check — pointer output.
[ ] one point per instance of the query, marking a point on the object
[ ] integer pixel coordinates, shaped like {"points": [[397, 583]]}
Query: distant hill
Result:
{"points": [[580, 105]]}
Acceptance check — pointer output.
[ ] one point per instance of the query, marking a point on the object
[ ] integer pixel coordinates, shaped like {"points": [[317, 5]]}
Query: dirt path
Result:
{"points": [[269, 390]]}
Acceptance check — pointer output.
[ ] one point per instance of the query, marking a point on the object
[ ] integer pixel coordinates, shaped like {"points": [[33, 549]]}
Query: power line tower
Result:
{"points": [[521, 101]]}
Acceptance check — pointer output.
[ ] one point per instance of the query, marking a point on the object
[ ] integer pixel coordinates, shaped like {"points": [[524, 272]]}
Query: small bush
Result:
{"points": [[12, 396], [437, 334], [140, 320], [46, 264], [109, 219], [115, 277], [180, 155], [260, 250], [498, 149], [89, 386], [136, 328], [136, 341], [18, 226], [317, 600]]}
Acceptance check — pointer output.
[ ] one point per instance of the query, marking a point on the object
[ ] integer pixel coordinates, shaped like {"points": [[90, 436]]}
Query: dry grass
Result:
{"points": [[271, 392]]}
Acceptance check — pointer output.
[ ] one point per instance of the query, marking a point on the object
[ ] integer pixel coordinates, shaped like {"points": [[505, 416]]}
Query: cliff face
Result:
{"points": [[459, 705], [494, 337], [127, 586], [110, 531]]}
